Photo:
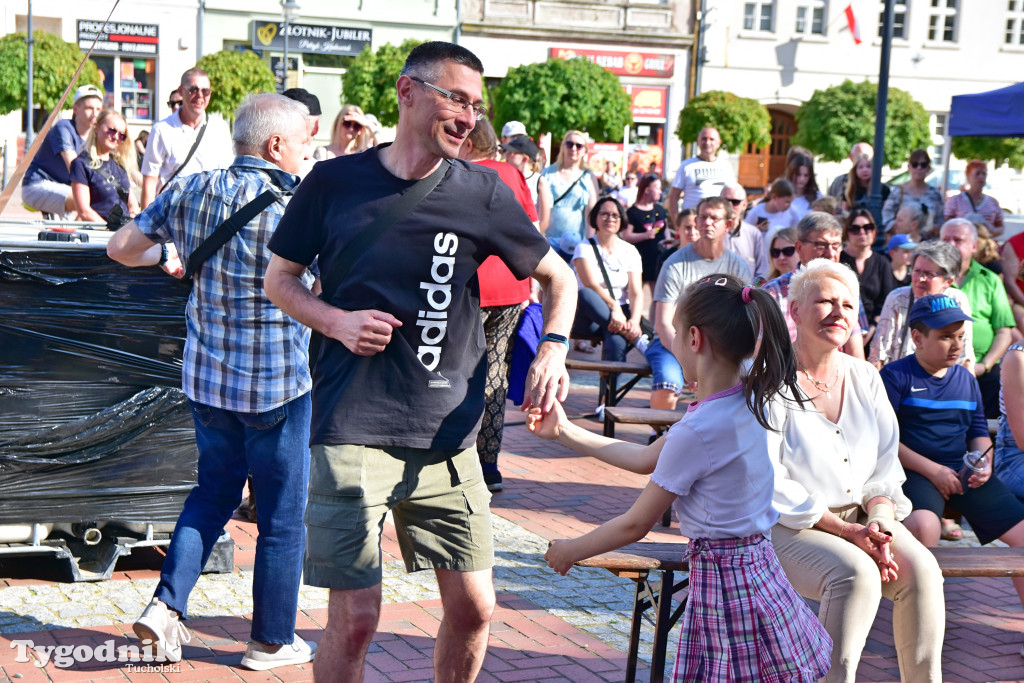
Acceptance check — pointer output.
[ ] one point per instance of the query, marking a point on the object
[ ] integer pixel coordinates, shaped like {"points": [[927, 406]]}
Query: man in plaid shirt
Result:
{"points": [[246, 375]]}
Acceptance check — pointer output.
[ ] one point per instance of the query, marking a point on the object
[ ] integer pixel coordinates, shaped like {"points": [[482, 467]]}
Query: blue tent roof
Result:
{"points": [[997, 113]]}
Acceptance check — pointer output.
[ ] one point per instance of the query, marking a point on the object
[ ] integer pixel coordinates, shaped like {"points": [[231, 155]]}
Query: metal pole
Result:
{"points": [[284, 81], [458, 21], [199, 30], [881, 105], [29, 125]]}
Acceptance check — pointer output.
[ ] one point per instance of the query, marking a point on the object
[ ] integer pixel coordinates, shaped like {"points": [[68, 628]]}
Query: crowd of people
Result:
{"points": [[842, 367]]}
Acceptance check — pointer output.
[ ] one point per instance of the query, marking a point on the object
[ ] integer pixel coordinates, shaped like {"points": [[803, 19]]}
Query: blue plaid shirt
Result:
{"points": [[242, 353]]}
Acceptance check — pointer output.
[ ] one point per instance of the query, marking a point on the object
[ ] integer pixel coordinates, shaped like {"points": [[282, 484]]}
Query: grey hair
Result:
{"points": [[816, 271], [264, 115], [943, 254], [817, 221], [735, 187], [964, 223]]}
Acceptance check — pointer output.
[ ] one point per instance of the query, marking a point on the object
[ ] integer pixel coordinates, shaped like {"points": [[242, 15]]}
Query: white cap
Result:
{"points": [[513, 128], [88, 91]]}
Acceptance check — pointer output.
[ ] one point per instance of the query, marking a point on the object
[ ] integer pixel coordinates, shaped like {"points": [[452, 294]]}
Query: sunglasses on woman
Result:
{"points": [[576, 145], [920, 164], [784, 251], [858, 228], [352, 125], [115, 135]]}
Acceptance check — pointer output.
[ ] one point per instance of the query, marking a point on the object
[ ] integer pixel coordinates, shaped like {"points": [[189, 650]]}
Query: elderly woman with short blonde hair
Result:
{"points": [[838, 490]]}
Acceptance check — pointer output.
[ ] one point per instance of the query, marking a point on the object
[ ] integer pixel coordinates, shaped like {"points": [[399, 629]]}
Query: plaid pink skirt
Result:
{"points": [[743, 621]]}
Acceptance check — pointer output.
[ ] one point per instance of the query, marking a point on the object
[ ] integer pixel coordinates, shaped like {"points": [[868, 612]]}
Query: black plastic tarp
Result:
{"points": [[93, 424]]}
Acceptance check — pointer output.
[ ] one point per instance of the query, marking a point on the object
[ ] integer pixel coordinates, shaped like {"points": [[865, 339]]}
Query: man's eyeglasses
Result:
{"points": [[194, 90], [784, 251], [115, 135], [709, 217], [173, 104], [827, 246], [352, 125], [920, 164], [924, 274], [858, 228], [575, 145], [460, 102]]}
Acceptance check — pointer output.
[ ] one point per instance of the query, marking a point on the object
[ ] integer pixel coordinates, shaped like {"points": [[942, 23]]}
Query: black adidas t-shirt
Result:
{"points": [[425, 390]]}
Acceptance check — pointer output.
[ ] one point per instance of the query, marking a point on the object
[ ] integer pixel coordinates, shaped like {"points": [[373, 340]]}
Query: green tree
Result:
{"points": [[369, 82], [739, 120], [54, 62], [233, 76], [999, 150], [836, 118], [560, 95]]}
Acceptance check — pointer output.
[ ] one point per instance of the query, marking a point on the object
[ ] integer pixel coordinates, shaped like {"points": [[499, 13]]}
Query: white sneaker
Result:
{"points": [[260, 657], [160, 627]]}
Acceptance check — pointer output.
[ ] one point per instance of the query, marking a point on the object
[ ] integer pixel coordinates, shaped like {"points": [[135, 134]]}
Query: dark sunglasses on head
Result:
{"points": [[576, 145], [860, 227], [174, 104], [115, 135], [785, 251], [920, 164], [193, 90], [352, 125]]}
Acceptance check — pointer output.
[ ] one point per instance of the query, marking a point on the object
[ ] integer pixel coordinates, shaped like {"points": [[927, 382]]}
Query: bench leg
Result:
{"points": [[640, 606], [662, 625]]}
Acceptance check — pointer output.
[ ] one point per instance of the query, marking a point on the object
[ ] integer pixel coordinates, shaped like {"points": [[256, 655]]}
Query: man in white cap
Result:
{"points": [[47, 185], [512, 129]]}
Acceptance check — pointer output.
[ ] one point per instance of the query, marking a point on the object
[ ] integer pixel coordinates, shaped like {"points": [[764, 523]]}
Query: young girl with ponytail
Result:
{"points": [[743, 620]]}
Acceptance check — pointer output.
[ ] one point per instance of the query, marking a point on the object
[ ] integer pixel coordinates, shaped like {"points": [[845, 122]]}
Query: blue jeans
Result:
{"points": [[274, 446], [592, 318], [666, 373], [1009, 460]]}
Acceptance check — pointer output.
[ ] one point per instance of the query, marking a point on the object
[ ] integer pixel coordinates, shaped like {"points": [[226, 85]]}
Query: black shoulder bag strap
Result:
{"points": [[366, 238], [569, 189], [195, 146], [600, 263], [228, 229]]}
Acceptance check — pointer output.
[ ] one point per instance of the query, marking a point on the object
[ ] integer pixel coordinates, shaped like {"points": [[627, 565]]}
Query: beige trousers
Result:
{"points": [[824, 567]]}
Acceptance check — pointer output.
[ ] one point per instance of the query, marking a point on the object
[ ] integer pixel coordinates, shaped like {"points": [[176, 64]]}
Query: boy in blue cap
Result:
{"points": [[941, 416]]}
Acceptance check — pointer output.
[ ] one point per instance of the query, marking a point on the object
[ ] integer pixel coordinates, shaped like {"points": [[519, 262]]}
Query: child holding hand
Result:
{"points": [[743, 620]]}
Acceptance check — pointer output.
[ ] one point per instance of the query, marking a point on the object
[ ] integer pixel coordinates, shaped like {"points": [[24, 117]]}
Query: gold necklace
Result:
{"points": [[823, 387]]}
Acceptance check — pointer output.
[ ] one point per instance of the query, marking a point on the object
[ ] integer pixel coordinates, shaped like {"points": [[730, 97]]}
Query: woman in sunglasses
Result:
{"points": [[783, 253], [566, 193], [102, 176], [915, 190], [873, 271], [350, 134]]}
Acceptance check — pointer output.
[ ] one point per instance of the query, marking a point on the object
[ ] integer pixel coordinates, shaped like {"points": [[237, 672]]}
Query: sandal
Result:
{"points": [[951, 531], [584, 346]]}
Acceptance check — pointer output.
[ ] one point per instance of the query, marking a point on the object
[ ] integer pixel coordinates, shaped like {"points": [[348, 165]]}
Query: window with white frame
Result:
{"points": [[899, 18], [942, 21], [810, 17], [1014, 22], [759, 16], [937, 123]]}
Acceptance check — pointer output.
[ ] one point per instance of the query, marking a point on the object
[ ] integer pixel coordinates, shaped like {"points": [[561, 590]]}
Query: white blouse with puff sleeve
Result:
{"points": [[820, 464]]}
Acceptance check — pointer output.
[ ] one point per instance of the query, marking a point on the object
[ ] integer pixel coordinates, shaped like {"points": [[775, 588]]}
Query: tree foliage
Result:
{"points": [[999, 150], [370, 80], [233, 76], [54, 62], [739, 120], [560, 95], [836, 118]]}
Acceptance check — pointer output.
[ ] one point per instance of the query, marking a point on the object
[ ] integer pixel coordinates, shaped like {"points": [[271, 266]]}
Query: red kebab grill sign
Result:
{"points": [[646, 64]]}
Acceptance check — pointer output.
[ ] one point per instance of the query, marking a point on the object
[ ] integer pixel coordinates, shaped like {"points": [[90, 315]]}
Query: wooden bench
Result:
{"points": [[655, 417], [609, 370], [667, 560]]}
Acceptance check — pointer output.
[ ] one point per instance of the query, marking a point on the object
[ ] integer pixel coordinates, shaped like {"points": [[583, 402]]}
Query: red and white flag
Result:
{"points": [[851, 21]]}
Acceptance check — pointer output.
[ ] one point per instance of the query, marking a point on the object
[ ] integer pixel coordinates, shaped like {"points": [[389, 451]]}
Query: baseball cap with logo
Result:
{"points": [[88, 91], [513, 128], [936, 311], [899, 242], [521, 144]]}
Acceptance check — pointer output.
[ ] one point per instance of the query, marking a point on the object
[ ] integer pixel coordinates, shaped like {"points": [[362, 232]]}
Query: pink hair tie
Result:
{"points": [[746, 294]]}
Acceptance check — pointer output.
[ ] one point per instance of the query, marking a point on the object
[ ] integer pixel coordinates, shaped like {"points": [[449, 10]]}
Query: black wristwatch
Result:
{"points": [[552, 337], [164, 253]]}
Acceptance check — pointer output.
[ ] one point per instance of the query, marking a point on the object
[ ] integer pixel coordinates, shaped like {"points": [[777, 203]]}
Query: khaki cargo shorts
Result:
{"points": [[440, 505]]}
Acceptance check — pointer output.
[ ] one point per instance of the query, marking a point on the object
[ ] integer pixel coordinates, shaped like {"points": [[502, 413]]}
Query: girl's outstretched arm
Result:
{"points": [[555, 426], [627, 528]]}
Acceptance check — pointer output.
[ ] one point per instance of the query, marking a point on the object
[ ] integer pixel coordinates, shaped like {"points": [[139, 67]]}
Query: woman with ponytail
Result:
{"points": [[713, 467]]}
